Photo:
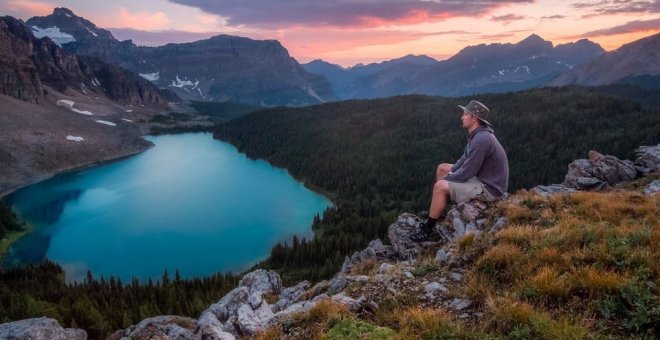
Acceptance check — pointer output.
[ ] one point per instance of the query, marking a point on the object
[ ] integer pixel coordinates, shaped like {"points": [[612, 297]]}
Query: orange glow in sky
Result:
{"points": [[362, 31]]}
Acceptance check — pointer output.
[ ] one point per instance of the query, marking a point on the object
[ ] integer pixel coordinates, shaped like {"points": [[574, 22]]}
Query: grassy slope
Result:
{"points": [[576, 266]]}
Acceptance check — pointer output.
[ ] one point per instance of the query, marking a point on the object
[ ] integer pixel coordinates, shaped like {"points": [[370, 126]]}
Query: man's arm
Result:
{"points": [[458, 163], [472, 162]]}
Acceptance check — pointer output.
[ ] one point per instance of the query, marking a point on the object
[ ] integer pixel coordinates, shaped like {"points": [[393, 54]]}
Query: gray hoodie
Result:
{"points": [[484, 158]]}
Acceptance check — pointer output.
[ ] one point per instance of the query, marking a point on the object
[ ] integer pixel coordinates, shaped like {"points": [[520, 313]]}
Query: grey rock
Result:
{"points": [[321, 297], [434, 287], [179, 333], [281, 305], [344, 299], [464, 316], [337, 284], [293, 293], [385, 268], [598, 172], [408, 274], [374, 251], [399, 235], [39, 329], [648, 157], [441, 256], [552, 189], [456, 276], [499, 224], [653, 188], [229, 303], [460, 304], [211, 328], [255, 300], [260, 280], [358, 278], [251, 321]]}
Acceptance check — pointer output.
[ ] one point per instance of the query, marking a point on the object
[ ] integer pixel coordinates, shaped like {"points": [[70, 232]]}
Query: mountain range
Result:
{"points": [[234, 69], [476, 69], [636, 63], [222, 68]]}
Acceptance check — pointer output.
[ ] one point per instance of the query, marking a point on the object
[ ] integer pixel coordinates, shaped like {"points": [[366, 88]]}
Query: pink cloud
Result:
{"points": [[26, 9], [342, 13], [135, 20], [630, 27]]}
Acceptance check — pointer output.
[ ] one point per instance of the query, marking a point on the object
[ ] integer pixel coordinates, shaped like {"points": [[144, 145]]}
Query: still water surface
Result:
{"points": [[190, 203]]}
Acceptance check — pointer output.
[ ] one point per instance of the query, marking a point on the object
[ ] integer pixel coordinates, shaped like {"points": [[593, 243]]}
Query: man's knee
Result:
{"points": [[441, 187], [443, 169]]}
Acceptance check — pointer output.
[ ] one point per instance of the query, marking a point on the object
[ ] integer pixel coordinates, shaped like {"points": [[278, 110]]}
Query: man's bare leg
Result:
{"points": [[439, 199], [442, 170]]}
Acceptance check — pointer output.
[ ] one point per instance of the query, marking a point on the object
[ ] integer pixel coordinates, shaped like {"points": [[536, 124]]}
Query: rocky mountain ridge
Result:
{"points": [[29, 63], [222, 68], [370, 277], [475, 69], [635, 59]]}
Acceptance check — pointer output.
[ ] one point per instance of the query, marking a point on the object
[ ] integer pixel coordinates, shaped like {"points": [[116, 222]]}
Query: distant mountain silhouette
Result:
{"points": [[636, 63], [375, 80], [476, 69], [223, 68]]}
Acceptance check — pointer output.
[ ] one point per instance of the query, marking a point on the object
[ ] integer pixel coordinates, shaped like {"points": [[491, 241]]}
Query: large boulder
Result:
{"points": [[39, 329], [598, 172], [462, 219], [170, 327], [648, 158], [376, 250]]}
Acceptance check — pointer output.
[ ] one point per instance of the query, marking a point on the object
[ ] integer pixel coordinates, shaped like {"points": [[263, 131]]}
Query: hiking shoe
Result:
{"points": [[422, 236]]}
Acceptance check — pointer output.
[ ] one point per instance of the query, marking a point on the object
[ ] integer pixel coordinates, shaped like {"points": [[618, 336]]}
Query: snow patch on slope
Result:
{"points": [[54, 33], [151, 76]]}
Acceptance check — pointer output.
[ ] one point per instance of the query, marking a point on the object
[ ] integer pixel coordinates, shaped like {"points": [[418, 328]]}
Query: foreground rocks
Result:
{"points": [[39, 328], [603, 171]]}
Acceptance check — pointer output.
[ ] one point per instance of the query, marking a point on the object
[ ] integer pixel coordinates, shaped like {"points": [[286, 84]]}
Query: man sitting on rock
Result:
{"points": [[482, 172]]}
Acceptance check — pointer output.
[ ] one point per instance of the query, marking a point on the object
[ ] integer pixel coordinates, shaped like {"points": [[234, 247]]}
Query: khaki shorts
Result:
{"points": [[473, 188]]}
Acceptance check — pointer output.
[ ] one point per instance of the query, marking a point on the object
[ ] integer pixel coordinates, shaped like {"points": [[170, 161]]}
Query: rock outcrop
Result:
{"points": [[603, 171], [30, 63], [39, 329]]}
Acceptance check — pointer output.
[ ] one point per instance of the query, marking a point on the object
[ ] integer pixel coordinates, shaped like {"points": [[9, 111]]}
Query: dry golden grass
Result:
{"points": [[367, 267], [466, 241], [598, 282], [550, 284], [271, 333], [601, 249], [312, 324], [522, 236], [428, 323], [502, 262]]}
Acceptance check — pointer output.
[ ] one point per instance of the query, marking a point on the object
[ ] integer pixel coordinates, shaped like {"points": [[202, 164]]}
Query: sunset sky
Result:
{"points": [[347, 32]]}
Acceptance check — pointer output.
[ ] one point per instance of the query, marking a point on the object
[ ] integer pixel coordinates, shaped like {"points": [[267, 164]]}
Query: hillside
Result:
{"points": [[376, 158], [60, 111], [564, 266]]}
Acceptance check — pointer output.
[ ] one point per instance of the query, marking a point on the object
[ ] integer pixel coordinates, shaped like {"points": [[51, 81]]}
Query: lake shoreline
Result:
{"points": [[172, 178]]}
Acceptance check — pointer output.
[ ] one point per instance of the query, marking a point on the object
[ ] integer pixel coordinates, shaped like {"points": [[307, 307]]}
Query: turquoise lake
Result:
{"points": [[190, 203]]}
